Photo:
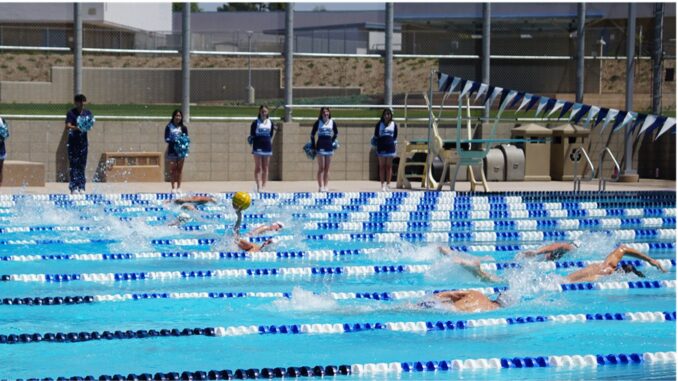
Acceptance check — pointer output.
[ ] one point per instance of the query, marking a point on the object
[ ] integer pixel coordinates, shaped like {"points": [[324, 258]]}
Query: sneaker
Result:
{"points": [[81, 191], [173, 191], [179, 191]]}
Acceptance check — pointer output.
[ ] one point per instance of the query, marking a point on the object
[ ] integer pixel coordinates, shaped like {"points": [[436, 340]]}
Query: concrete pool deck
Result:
{"points": [[335, 186]]}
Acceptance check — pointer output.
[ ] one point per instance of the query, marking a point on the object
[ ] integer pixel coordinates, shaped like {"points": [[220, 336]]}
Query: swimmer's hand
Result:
{"points": [[658, 265]]}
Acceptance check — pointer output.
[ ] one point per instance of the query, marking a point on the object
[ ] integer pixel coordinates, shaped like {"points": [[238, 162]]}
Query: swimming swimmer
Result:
{"points": [[469, 263], [470, 301], [607, 267], [191, 202], [274, 227], [251, 247], [552, 252]]}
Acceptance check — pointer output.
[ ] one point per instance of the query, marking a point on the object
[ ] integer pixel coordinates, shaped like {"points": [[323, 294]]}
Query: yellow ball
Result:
{"points": [[241, 200]]}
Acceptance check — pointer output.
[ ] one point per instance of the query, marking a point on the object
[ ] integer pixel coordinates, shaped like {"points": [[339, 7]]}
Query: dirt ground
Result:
{"points": [[367, 73]]}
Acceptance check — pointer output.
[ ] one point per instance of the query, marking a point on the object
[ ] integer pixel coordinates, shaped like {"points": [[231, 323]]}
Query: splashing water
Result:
{"points": [[302, 300]]}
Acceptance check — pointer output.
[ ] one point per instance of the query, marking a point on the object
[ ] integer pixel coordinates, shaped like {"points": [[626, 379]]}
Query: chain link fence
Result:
{"points": [[348, 66]]}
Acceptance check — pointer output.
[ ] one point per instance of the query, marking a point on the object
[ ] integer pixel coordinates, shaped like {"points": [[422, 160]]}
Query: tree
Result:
{"points": [[252, 7], [179, 7]]}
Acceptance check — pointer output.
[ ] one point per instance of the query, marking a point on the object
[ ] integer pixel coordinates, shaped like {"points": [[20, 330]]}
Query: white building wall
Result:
{"points": [[152, 17]]}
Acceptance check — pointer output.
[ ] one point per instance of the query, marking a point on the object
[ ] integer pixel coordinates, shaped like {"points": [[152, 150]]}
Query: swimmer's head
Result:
{"points": [[504, 299], [184, 217], [278, 225], [576, 243], [629, 268]]}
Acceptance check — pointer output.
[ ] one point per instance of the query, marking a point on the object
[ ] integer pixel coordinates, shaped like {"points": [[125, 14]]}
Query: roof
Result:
{"points": [[205, 22]]}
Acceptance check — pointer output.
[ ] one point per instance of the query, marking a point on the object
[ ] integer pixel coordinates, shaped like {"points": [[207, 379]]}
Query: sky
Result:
{"points": [[309, 6]]}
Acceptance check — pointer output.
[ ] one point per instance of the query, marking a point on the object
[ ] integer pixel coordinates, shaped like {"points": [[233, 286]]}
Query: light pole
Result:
{"points": [[601, 43], [250, 89]]}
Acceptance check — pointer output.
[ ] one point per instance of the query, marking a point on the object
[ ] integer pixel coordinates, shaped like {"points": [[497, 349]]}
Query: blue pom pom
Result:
{"points": [[4, 130], [182, 145], [85, 123], [309, 151], [373, 141], [335, 144], [250, 140]]}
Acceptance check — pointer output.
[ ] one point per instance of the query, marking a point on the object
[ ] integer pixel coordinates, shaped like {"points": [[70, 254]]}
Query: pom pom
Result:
{"points": [[85, 122], [335, 145], [250, 140], [373, 141], [309, 151], [4, 129], [241, 201], [182, 145]]}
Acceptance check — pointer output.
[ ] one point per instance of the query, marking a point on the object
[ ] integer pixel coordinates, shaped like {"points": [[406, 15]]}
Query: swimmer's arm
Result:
{"points": [[452, 295], [548, 249], [259, 230], [642, 256], [236, 227], [482, 275], [245, 245]]}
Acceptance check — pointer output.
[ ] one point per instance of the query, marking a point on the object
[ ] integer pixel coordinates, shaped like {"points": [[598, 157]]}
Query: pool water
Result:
{"points": [[101, 285]]}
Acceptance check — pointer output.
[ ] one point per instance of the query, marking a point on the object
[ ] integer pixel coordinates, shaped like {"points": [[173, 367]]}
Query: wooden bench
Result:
{"points": [[132, 167], [17, 173]]}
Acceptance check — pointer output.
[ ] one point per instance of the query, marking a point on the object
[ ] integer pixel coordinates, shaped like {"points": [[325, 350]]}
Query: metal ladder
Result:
{"points": [[577, 178], [602, 182]]}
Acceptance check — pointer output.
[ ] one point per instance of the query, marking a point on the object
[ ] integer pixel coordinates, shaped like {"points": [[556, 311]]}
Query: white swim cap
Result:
{"points": [[279, 224]]}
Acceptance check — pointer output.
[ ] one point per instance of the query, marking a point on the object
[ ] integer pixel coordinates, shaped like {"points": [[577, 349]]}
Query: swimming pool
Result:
{"points": [[99, 286]]}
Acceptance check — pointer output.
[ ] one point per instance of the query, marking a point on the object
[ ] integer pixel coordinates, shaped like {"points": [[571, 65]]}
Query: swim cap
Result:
{"points": [[279, 224], [241, 200]]}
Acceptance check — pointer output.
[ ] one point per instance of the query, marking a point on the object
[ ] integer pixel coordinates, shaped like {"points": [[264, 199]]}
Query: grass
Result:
{"points": [[239, 110]]}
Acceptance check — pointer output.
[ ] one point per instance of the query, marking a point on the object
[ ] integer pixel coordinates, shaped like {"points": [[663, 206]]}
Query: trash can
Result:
{"points": [[515, 162], [537, 151], [494, 165], [566, 140]]}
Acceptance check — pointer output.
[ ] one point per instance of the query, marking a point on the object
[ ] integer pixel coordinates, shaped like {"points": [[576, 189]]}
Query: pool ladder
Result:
{"points": [[615, 175], [577, 177]]}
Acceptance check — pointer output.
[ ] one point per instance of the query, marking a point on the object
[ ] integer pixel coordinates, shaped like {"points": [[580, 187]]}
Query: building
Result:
{"points": [[105, 25]]}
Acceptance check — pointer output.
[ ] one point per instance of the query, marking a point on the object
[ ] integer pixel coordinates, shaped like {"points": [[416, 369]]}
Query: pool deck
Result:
{"points": [[335, 186]]}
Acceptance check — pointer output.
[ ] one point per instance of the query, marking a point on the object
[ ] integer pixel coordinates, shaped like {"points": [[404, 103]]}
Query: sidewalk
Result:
{"points": [[335, 186]]}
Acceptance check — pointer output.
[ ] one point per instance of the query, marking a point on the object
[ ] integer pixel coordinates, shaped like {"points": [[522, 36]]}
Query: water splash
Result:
{"points": [[303, 300]]}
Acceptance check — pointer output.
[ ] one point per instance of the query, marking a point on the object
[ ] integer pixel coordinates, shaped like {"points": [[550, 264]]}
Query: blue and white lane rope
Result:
{"points": [[269, 256], [622, 235], [366, 270], [372, 295], [396, 368], [338, 328]]}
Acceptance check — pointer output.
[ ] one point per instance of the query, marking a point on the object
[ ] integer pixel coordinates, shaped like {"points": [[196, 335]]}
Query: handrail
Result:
{"points": [[575, 163], [602, 182]]}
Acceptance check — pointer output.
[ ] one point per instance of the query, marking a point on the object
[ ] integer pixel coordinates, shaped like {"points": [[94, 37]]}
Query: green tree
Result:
{"points": [[179, 7]]}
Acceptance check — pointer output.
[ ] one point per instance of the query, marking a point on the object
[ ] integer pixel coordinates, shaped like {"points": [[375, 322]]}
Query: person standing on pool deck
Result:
{"points": [[77, 145], [327, 132], [261, 137], [3, 151], [386, 135], [173, 130]]}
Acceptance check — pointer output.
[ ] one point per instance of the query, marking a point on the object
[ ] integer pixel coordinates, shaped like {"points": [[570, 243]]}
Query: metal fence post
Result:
{"points": [[388, 59], [629, 174], [186, 62], [581, 21], [77, 49], [289, 59]]}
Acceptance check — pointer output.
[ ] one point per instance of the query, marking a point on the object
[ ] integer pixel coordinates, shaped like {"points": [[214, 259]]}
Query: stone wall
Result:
{"points": [[219, 151]]}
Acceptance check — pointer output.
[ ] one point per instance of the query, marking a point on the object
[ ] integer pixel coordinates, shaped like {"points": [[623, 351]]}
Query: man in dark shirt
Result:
{"points": [[77, 144]]}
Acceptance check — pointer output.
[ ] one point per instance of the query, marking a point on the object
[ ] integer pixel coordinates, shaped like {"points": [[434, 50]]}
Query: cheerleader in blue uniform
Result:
{"points": [[386, 135], [261, 137], [174, 129], [327, 132], [77, 145], [4, 134]]}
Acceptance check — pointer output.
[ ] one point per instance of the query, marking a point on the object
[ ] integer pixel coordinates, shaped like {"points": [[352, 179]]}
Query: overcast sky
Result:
{"points": [[210, 7]]}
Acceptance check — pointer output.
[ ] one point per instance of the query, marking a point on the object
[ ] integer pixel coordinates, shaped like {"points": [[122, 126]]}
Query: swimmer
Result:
{"points": [[469, 301], [593, 272], [274, 227], [182, 218], [190, 202], [469, 263], [251, 247], [552, 252]]}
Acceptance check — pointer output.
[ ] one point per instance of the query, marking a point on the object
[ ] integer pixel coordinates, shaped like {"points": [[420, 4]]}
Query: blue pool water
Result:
{"points": [[100, 285]]}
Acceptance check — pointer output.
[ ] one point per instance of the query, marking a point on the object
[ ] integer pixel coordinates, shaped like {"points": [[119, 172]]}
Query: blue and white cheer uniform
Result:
{"points": [[261, 133], [327, 134], [386, 136]]}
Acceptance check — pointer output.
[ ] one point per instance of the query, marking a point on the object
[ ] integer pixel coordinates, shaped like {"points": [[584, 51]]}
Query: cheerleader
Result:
{"points": [[327, 132], [4, 134], [174, 129], [261, 137], [77, 144], [385, 134]]}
